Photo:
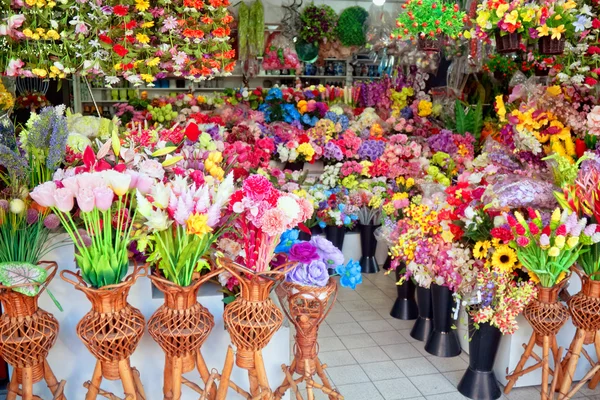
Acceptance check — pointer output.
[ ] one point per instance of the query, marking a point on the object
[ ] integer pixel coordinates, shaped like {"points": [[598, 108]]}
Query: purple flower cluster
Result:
{"points": [[313, 274], [443, 141], [371, 149], [314, 259], [332, 151]]}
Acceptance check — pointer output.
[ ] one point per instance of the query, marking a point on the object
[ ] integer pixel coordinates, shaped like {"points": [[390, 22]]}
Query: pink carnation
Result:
{"points": [[257, 187], [274, 222], [306, 209], [522, 241]]}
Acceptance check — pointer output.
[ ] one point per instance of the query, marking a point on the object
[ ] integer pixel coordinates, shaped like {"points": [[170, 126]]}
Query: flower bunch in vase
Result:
{"points": [[335, 209], [555, 25]]}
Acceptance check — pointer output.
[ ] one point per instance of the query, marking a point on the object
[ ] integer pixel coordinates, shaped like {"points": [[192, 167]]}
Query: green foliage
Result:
{"points": [[431, 18], [22, 273], [257, 29], [470, 121], [351, 26], [318, 23], [243, 30]]}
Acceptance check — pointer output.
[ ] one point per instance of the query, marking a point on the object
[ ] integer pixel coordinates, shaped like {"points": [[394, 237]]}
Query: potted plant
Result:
{"points": [[499, 296], [428, 22], [506, 22], [192, 221], [555, 26], [95, 209]]}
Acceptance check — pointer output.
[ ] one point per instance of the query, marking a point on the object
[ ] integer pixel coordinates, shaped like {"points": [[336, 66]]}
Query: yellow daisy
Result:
{"points": [[504, 258], [480, 249]]}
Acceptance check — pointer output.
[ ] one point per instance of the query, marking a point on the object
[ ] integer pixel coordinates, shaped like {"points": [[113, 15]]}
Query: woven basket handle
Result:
{"points": [[235, 269], [139, 271], [78, 282], [52, 269]]}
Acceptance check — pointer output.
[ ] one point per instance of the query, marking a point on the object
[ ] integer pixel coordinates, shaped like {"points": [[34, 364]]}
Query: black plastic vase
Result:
{"points": [[424, 323], [479, 381], [405, 306], [388, 263], [336, 234], [443, 341], [368, 245], [294, 166]]}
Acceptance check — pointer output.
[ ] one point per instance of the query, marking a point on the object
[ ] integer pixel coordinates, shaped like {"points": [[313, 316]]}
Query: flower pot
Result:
{"points": [[27, 333], [428, 43], [112, 329], [405, 306], [479, 381], [336, 234], [368, 245], [388, 263], [294, 166], [443, 341], [424, 323], [548, 46], [546, 314], [508, 43], [306, 307]]}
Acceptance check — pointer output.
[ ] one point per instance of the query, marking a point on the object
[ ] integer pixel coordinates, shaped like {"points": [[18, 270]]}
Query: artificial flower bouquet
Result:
{"points": [[335, 209], [555, 25], [548, 250], [500, 18], [276, 107], [183, 220]]}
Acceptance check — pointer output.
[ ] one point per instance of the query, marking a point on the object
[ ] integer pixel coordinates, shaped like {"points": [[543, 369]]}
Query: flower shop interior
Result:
{"points": [[284, 199]]}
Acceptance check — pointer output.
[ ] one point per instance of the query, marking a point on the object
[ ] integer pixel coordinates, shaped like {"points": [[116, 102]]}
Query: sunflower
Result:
{"points": [[504, 258], [480, 249], [533, 277]]}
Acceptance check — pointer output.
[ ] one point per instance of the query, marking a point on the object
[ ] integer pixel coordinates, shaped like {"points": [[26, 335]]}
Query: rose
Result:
{"points": [[303, 252], [327, 251], [593, 118], [298, 275], [153, 169], [317, 273]]}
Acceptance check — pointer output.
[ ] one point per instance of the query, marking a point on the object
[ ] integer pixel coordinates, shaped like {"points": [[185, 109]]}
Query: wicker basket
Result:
{"points": [[508, 43], [181, 325], [551, 47], [546, 314], [428, 43], [585, 306], [27, 333], [113, 328], [306, 307]]}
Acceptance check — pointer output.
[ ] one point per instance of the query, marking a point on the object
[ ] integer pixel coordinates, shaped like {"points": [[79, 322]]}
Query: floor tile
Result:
{"points": [[360, 391], [406, 334], [523, 393], [416, 366], [347, 374], [325, 331], [330, 344], [397, 389], [449, 364], [388, 337], [420, 346], [432, 384], [336, 358], [349, 295], [339, 318], [454, 376], [380, 325], [380, 371], [362, 316], [348, 328], [359, 305], [400, 351], [448, 396], [369, 354], [401, 324], [357, 341]]}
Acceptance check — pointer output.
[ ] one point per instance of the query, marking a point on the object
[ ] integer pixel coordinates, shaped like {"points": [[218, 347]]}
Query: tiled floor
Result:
{"points": [[371, 356]]}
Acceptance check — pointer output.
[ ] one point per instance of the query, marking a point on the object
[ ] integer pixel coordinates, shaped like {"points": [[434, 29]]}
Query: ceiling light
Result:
{"points": [[379, 2]]}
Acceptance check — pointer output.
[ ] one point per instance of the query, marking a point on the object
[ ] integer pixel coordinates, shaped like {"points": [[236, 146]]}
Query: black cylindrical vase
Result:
{"points": [[479, 381], [424, 323], [443, 341], [294, 166], [388, 263], [368, 245], [336, 234], [304, 236], [405, 306]]}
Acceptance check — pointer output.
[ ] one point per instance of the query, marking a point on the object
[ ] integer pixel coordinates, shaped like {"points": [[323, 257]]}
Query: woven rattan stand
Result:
{"points": [[546, 315], [27, 333], [180, 327], [585, 312], [251, 320], [306, 307], [111, 331]]}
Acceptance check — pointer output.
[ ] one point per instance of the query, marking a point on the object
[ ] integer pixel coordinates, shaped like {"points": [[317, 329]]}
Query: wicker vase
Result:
{"points": [[585, 306], [306, 307], [546, 314], [112, 330], [27, 333], [181, 325], [508, 43], [551, 47]]}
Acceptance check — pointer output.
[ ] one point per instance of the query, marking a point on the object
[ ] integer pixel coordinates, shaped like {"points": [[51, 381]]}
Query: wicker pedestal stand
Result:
{"points": [[27, 333], [546, 315], [585, 312], [306, 307], [251, 320], [180, 327], [111, 331]]}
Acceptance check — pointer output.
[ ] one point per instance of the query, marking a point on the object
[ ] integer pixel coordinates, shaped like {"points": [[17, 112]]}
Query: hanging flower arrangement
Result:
{"points": [[318, 23], [351, 26], [429, 18]]}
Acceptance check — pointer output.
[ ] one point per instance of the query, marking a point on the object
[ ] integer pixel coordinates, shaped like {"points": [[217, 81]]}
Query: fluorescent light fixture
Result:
{"points": [[379, 2]]}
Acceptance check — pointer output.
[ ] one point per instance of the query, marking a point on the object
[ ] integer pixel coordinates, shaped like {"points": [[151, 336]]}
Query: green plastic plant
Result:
{"points": [[351, 26], [318, 23], [23, 274], [429, 18]]}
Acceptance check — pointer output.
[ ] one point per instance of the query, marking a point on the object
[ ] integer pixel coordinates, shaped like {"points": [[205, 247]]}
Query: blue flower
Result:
{"points": [[582, 23], [288, 239], [350, 275], [322, 224], [347, 220], [406, 113], [341, 207], [274, 94]]}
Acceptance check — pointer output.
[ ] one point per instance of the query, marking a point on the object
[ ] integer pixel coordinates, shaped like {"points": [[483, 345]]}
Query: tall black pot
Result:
{"points": [[294, 166], [304, 236], [424, 323], [479, 381], [443, 341], [336, 234], [405, 306], [315, 230], [368, 245], [388, 263]]}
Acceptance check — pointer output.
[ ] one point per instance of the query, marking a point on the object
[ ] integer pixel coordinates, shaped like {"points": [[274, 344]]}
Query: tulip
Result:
{"points": [[104, 198], [44, 194], [64, 199], [86, 199], [119, 183]]}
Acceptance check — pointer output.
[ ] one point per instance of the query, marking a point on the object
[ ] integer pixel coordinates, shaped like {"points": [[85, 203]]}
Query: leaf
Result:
{"points": [[171, 161], [20, 273], [461, 118], [164, 151], [477, 118], [228, 299]]}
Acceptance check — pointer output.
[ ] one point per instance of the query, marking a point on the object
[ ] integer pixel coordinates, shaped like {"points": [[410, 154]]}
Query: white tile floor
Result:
{"points": [[371, 356]]}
